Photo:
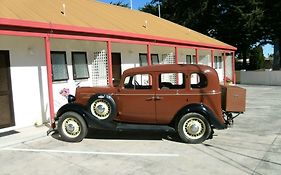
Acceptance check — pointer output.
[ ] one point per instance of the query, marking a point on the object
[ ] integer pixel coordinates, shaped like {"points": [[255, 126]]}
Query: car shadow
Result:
{"points": [[133, 135], [170, 135]]}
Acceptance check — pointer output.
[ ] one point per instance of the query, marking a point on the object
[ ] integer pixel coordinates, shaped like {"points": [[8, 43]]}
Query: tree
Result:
{"points": [[238, 23], [256, 58], [120, 3], [272, 23]]}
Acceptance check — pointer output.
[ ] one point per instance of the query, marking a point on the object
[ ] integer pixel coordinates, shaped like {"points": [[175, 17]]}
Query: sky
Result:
{"points": [[267, 49], [136, 3]]}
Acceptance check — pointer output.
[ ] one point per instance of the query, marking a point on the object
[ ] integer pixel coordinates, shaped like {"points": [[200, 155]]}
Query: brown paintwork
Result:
{"points": [[155, 105], [233, 99]]}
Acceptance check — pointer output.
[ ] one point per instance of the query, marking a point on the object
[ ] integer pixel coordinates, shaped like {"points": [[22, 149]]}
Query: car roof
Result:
{"points": [[170, 67]]}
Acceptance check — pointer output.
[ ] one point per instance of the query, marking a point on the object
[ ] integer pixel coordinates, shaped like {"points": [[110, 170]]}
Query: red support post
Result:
{"points": [[50, 81], [177, 62], [233, 68], [212, 58], [109, 62], [196, 55], [149, 55], [176, 55], [224, 68]]}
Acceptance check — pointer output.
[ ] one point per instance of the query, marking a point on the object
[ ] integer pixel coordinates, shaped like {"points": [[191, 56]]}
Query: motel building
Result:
{"points": [[49, 47]]}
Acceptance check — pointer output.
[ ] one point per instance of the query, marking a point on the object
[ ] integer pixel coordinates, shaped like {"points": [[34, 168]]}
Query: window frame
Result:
{"points": [[74, 68], [190, 59], [218, 62], [140, 60], [65, 66], [151, 58]]}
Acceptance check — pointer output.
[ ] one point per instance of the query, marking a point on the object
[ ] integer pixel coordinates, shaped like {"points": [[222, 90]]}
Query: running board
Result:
{"points": [[127, 126]]}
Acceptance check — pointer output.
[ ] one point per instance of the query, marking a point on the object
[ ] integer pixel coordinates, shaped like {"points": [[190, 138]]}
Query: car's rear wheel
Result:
{"points": [[72, 127], [102, 106], [193, 128]]}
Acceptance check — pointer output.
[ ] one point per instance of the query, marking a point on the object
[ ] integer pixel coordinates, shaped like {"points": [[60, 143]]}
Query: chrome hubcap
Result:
{"points": [[101, 109], [194, 128], [71, 127]]}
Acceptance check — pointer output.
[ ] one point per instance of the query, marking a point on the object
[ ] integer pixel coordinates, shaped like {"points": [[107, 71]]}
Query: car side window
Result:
{"points": [[198, 80], [139, 81], [171, 81]]}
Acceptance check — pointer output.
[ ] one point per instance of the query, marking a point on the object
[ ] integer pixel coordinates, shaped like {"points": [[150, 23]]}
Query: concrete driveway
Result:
{"points": [[251, 146]]}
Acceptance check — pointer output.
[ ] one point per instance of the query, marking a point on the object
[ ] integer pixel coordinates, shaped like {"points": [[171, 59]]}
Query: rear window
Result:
{"points": [[198, 80], [171, 81]]}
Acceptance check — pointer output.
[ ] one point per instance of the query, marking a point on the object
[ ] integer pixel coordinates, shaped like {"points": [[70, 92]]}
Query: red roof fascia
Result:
{"points": [[60, 27]]}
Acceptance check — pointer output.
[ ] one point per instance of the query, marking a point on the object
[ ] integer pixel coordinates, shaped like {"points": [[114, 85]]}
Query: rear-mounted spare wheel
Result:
{"points": [[102, 106]]}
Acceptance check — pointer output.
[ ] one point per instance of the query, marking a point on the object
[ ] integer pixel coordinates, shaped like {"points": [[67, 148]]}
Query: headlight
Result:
{"points": [[71, 98]]}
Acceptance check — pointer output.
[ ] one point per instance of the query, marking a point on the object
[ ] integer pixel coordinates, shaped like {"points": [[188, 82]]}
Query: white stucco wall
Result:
{"points": [[28, 78], [260, 77]]}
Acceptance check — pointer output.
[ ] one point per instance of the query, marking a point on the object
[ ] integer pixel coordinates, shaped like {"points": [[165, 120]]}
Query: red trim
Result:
{"points": [[92, 30], [212, 58], [224, 68], [17, 33], [148, 46], [196, 55], [50, 81], [148, 55], [233, 68], [109, 61]]}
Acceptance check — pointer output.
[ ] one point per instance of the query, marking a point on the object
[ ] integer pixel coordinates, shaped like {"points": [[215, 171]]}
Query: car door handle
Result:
{"points": [[158, 98], [149, 99]]}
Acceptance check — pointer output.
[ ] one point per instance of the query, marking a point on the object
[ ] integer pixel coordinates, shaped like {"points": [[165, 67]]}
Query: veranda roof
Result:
{"points": [[104, 17]]}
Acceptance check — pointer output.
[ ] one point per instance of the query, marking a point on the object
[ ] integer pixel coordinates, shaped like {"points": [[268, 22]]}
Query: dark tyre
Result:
{"points": [[193, 128], [72, 127], [103, 107]]}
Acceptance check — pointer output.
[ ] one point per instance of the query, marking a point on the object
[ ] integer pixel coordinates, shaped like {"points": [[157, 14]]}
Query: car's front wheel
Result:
{"points": [[72, 127], [193, 128]]}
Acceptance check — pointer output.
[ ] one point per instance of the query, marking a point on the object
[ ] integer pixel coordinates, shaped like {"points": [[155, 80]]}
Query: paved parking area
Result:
{"points": [[251, 146]]}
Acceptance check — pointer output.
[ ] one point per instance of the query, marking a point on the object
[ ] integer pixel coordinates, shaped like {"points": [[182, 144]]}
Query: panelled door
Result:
{"points": [[6, 103], [116, 68]]}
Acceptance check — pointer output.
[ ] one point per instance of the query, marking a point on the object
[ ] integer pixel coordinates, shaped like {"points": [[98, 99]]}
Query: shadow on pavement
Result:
{"points": [[128, 135]]}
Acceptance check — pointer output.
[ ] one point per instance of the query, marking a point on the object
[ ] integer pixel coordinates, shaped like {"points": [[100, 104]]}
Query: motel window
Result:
{"points": [[190, 60], [218, 62], [59, 66], [143, 59], [80, 65], [154, 59]]}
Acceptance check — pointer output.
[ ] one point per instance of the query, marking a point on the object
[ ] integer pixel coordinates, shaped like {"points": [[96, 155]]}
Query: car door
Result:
{"points": [[135, 99], [170, 95]]}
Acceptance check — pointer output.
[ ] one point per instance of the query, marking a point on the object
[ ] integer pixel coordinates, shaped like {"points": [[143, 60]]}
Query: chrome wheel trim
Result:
{"points": [[71, 127], [101, 109], [194, 128]]}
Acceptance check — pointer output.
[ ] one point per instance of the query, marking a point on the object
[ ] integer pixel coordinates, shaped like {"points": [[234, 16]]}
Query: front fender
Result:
{"points": [[205, 111], [91, 121]]}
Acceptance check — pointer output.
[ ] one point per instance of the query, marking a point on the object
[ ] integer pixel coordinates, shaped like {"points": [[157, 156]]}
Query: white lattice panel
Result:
{"points": [[168, 58], [100, 69]]}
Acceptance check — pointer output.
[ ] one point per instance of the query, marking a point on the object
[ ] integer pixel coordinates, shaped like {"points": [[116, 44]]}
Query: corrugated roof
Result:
{"points": [[98, 15]]}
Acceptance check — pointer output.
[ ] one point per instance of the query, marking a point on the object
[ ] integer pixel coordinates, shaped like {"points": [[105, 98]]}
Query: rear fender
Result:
{"points": [[203, 110]]}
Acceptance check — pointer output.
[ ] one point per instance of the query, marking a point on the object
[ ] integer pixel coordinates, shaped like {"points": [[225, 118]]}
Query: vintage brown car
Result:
{"points": [[187, 98]]}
